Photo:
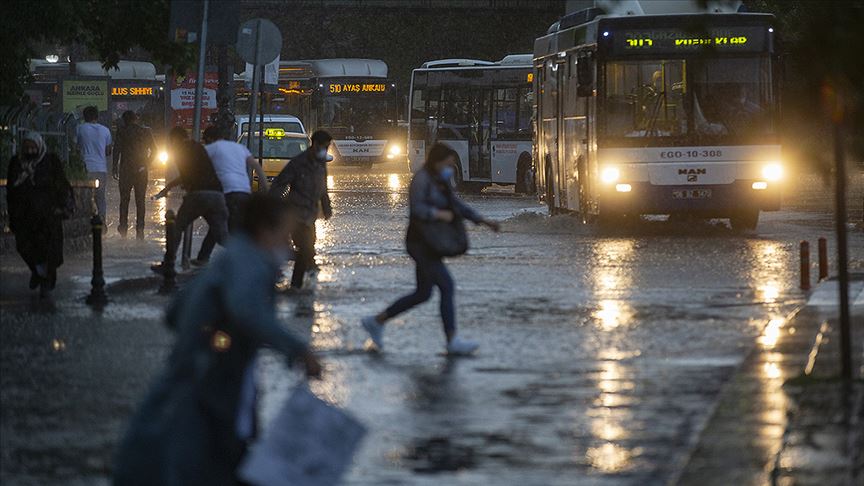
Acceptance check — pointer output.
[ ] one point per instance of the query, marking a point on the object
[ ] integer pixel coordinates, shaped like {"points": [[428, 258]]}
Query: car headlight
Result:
{"points": [[395, 149], [610, 175], [163, 157], [772, 172]]}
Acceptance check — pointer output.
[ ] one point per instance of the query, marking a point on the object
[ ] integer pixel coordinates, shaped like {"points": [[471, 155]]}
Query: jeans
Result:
{"points": [[236, 202], [101, 177], [303, 236], [431, 272], [207, 204], [128, 182]]}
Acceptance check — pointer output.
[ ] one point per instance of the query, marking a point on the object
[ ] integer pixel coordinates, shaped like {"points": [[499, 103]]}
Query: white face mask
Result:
{"points": [[321, 154]]}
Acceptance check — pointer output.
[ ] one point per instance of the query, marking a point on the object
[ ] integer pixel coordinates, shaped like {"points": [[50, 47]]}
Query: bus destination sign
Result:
{"points": [[352, 88], [738, 39]]}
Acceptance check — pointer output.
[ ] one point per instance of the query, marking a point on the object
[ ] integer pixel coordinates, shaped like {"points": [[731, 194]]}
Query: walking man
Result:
{"points": [[203, 194], [195, 423], [232, 162], [303, 185], [94, 142], [132, 156]]}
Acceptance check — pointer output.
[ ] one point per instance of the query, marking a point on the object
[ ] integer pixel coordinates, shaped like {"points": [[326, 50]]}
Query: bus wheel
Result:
{"points": [[458, 181], [745, 220], [524, 175]]}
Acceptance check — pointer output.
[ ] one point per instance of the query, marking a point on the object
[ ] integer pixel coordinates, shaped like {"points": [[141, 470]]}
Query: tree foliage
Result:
{"points": [[108, 29], [821, 49]]}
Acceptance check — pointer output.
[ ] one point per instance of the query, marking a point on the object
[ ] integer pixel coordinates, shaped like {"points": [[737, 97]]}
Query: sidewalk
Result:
{"points": [[785, 418]]}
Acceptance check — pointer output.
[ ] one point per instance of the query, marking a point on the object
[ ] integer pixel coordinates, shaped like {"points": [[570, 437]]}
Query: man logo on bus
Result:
{"points": [[692, 174]]}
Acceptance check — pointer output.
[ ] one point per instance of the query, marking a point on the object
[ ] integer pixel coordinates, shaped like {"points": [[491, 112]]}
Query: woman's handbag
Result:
{"points": [[310, 443], [444, 239]]}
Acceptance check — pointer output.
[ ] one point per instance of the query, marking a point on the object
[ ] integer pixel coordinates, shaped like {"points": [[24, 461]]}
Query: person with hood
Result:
{"points": [[431, 198], [39, 197], [302, 184], [195, 423]]}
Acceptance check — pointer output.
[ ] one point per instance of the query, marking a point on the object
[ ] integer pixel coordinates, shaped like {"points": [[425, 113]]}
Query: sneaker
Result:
{"points": [[139, 234], [35, 279], [461, 347], [121, 230], [375, 330]]}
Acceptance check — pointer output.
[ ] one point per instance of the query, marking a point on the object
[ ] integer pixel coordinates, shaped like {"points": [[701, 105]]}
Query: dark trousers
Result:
{"points": [[209, 205], [431, 272], [129, 181], [40, 244], [303, 236], [236, 202]]}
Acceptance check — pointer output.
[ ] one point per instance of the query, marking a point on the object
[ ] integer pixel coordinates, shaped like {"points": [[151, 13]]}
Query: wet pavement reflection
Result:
{"points": [[602, 352]]}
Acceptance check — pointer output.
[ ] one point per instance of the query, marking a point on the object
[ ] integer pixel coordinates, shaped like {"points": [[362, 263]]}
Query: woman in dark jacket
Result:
{"points": [[431, 199], [38, 195]]}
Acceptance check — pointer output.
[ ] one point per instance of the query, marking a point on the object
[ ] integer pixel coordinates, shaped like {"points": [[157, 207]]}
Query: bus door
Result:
{"points": [[549, 105], [480, 134]]}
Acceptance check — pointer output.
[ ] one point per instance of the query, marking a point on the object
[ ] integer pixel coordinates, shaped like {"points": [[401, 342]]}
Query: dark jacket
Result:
{"points": [[134, 148], [303, 184], [37, 202], [185, 433], [195, 168]]}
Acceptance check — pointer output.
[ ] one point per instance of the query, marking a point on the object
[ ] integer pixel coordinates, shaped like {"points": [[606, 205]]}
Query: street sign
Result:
{"points": [[271, 75], [268, 41]]}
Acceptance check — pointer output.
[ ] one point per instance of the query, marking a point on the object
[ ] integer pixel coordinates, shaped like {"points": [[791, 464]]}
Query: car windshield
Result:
{"points": [[277, 147], [360, 114], [688, 100], [286, 126]]}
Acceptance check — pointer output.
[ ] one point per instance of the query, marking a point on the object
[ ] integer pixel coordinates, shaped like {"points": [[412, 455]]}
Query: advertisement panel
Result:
{"points": [[80, 93], [183, 99]]}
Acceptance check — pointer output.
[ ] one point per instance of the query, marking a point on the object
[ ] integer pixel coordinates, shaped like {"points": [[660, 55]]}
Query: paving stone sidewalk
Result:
{"points": [[785, 418]]}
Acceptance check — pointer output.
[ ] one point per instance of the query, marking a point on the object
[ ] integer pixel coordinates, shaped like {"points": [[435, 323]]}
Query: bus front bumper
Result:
{"points": [[709, 200]]}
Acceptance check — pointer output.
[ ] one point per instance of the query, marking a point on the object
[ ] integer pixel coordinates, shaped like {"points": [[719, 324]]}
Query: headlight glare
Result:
{"points": [[772, 172], [610, 175]]}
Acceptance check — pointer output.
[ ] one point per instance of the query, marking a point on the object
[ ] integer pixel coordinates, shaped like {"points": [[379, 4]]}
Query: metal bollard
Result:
{"points": [[169, 284], [823, 259], [97, 297], [805, 265]]}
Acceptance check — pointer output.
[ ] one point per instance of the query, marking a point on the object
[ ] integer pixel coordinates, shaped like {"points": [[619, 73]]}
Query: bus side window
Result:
{"points": [[506, 106]]}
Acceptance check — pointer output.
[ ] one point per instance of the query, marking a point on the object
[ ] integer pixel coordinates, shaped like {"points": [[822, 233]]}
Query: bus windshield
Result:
{"points": [[688, 100], [277, 147], [356, 114]]}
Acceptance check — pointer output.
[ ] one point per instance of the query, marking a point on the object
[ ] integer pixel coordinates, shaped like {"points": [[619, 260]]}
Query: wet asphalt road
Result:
{"points": [[601, 355]]}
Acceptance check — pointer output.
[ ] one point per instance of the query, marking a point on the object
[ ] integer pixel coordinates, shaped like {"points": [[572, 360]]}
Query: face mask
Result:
{"points": [[447, 173], [321, 154]]}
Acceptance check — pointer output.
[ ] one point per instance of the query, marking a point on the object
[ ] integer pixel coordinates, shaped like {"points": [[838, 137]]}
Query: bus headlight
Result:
{"points": [[395, 149], [163, 157], [610, 175], [772, 172]]}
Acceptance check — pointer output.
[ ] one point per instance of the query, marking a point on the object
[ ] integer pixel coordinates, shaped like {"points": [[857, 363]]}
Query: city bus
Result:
{"points": [[658, 114], [483, 111], [353, 99]]}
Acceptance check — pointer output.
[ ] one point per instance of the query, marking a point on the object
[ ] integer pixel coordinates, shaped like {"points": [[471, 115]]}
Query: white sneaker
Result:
{"points": [[458, 346], [375, 330]]}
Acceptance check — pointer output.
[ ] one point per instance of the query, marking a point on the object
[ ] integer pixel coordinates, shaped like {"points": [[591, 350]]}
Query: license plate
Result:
{"points": [[692, 194]]}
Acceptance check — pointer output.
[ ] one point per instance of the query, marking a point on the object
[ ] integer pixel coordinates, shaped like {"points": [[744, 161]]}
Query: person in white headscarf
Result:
{"points": [[39, 197]]}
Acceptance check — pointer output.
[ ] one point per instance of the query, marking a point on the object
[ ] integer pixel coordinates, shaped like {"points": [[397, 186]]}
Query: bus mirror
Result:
{"points": [[585, 76]]}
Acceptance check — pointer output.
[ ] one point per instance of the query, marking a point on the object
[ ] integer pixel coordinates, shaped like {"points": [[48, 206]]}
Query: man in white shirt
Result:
{"points": [[94, 142], [232, 162]]}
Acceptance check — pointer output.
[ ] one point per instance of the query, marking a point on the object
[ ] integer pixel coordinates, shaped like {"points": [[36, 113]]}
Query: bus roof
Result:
{"points": [[124, 70], [333, 68], [512, 60]]}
